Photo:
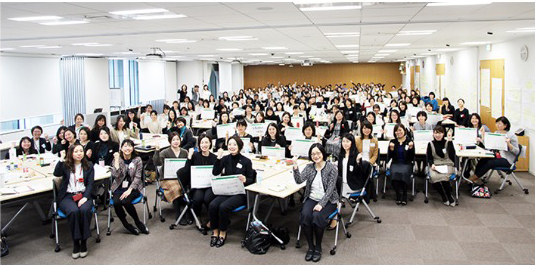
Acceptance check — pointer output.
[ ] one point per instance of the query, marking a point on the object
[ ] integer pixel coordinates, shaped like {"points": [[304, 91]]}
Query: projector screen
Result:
{"points": [[151, 80]]}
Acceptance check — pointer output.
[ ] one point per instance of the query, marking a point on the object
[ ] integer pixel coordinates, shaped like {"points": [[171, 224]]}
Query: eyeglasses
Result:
{"points": [[316, 153]]}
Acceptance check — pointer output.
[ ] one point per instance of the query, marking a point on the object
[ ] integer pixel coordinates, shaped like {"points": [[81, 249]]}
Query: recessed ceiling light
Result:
{"points": [[50, 47], [150, 17], [206, 55], [274, 48], [415, 32], [342, 35], [61, 23], [475, 43], [229, 49], [349, 51], [40, 18], [387, 51], [347, 46], [293, 53], [398, 44], [6, 49], [459, 3], [32, 46], [139, 11], [323, 7], [258, 54], [238, 38]]}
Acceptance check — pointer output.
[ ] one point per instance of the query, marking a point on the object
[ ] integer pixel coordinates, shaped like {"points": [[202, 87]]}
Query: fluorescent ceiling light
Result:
{"points": [[415, 32], [349, 51], [139, 11], [238, 38], [352, 55], [459, 3], [382, 54], [386, 51], [475, 43], [293, 53], [89, 54], [342, 34], [149, 17], [446, 50], [6, 49], [277, 57], [258, 54], [67, 22], [84, 43], [268, 61], [126, 53], [274, 48], [347, 46], [428, 53], [50, 47], [174, 41], [315, 58], [329, 8], [229, 49], [99, 45], [40, 18], [378, 57], [522, 30], [32, 46], [306, 56], [397, 44], [206, 55]]}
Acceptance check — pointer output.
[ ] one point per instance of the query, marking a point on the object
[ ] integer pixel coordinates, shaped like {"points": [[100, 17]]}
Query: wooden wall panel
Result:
{"points": [[322, 74]]}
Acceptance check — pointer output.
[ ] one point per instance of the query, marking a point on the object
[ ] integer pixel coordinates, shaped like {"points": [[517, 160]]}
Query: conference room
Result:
{"points": [[267, 132]]}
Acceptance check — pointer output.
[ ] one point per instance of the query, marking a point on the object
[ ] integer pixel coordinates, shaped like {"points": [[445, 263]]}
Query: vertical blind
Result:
{"points": [[72, 87]]}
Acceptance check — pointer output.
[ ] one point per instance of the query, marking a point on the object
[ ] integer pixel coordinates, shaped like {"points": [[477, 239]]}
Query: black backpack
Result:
{"points": [[5, 247], [257, 239]]}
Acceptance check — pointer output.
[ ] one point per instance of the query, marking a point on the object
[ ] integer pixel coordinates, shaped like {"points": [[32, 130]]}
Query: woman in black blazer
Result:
{"points": [[74, 195], [337, 128], [221, 207], [401, 151], [57, 147], [40, 144], [188, 141], [104, 148], [25, 148], [352, 169], [273, 138]]}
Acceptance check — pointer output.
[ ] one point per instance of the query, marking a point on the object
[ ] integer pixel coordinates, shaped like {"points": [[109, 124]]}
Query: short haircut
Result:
{"points": [[131, 143], [505, 121], [460, 100], [172, 135], [37, 127], [181, 119], [87, 131], [207, 137], [432, 93], [421, 113], [103, 128], [366, 124], [439, 129], [79, 115], [309, 124], [238, 140], [69, 130], [154, 112], [241, 122], [400, 125], [321, 148]]}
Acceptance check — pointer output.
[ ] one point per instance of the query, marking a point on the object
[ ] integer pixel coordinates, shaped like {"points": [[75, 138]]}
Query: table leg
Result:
{"points": [[13, 218], [39, 211]]}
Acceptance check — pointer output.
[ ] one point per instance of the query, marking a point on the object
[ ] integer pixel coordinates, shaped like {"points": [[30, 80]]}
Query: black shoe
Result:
{"points": [[83, 249], [308, 256], [317, 256], [398, 202], [76, 249], [220, 242], [132, 229], [213, 241], [142, 228], [183, 221], [403, 203]]}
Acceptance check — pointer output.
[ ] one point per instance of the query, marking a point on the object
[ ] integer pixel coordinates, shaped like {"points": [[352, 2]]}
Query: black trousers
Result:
{"points": [[400, 187], [120, 205], [319, 219], [486, 164], [79, 218], [221, 207], [201, 197]]}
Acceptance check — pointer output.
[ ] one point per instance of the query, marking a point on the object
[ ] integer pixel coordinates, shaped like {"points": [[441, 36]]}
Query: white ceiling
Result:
{"points": [[274, 24]]}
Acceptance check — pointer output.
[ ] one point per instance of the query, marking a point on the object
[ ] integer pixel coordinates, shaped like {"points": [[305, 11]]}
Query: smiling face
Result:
{"points": [[346, 144], [400, 133], [120, 124], [175, 142], [83, 135], [233, 147], [205, 144], [500, 126], [475, 121], [26, 144], [36, 133], [101, 122], [127, 149], [78, 153], [316, 154], [79, 120], [366, 131], [438, 135], [308, 132], [69, 136], [370, 118], [104, 136], [272, 131]]}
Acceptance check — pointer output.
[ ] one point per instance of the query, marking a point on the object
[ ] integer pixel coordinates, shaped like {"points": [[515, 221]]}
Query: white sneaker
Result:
{"points": [[447, 203], [76, 255], [83, 254], [452, 204]]}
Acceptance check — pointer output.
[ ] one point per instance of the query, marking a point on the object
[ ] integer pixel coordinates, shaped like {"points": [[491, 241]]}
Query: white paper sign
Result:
{"points": [[257, 129], [301, 147], [278, 152], [207, 114], [465, 135], [223, 129], [495, 141], [292, 133], [497, 105], [171, 166], [377, 131], [320, 130], [423, 135], [238, 112], [201, 177], [227, 185], [389, 130], [246, 147], [433, 119], [442, 169]]}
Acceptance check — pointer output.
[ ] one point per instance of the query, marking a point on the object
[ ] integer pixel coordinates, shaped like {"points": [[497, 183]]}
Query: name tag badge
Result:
{"points": [[372, 144], [131, 165], [111, 151], [406, 147], [125, 184], [238, 165], [350, 168], [444, 150], [43, 145]]}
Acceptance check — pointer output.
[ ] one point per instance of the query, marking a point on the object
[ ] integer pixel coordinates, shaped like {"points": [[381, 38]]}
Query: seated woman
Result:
{"points": [[171, 188], [25, 147], [429, 108], [224, 118], [271, 116], [241, 127], [221, 207], [121, 132], [40, 144], [58, 139], [100, 121], [104, 148], [337, 128], [461, 115], [421, 124], [127, 185], [503, 158], [186, 136], [249, 117], [286, 122], [447, 110], [440, 152], [401, 151], [153, 126], [272, 138], [74, 195], [366, 139], [321, 198], [200, 196], [351, 168], [475, 122], [78, 123], [69, 138], [86, 143]]}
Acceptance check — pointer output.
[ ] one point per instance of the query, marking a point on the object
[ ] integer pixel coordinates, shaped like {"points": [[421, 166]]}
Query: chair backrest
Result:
{"points": [[520, 147], [56, 182]]}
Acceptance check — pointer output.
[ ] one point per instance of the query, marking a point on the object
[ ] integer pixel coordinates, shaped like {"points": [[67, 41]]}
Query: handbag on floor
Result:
{"points": [[257, 239], [5, 247], [481, 191]]}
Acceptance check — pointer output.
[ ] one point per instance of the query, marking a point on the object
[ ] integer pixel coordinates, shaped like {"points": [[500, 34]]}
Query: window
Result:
{"points": [[123, 74], [28, 123], [7, 126]]}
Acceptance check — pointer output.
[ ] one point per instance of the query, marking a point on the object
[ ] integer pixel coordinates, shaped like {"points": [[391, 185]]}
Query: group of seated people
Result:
{"points": [[350, 137]]}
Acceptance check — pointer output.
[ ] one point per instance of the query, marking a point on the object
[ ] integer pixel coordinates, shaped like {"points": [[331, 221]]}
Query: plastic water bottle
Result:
{"points": [[12, 154]]}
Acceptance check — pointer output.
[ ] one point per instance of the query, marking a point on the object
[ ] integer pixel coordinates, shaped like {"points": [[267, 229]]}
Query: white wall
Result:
{"points": [[152, 80], [225, 78], [171, 82], [190, 73], [29, 86], [97, 91], [237, 78]]}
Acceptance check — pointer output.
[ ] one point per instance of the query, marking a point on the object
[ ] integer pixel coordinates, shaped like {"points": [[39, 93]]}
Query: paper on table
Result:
{"points": [[320, 130], [23, 189], [423, 135], [223, 129], [485, 87], [442, 169], [227, 185], [292, 133], [465, 135], [497, 105], [201, 177], [171, 166], [274, 151], [207, 114], [7, 191], [301, 147], [495, 141]]}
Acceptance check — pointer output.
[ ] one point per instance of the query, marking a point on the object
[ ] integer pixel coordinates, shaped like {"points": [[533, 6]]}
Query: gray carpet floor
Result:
{"points": [[500, 230]]}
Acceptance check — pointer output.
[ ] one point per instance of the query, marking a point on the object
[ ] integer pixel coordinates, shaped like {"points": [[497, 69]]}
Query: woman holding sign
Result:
{"points": [[440, 157], [127, 185], [241, 127], [186, 136], [220, 141], [366, 144], [221, 207], [337, 128], [401, 151], [321, 197], [171, 188], [273, 138], [74, 195], [504, 157]]}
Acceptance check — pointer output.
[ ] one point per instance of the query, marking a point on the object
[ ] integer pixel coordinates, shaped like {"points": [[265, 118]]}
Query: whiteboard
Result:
{"points": [[151, 80], [116, 96]]}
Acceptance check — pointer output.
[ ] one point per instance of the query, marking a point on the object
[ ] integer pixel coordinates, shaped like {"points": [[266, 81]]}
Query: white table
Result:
{"points": [[464, 157]]}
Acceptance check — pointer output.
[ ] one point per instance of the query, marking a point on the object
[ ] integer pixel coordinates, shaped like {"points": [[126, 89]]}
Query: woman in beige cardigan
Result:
{"points": [[366, 134], [120, 132]]}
